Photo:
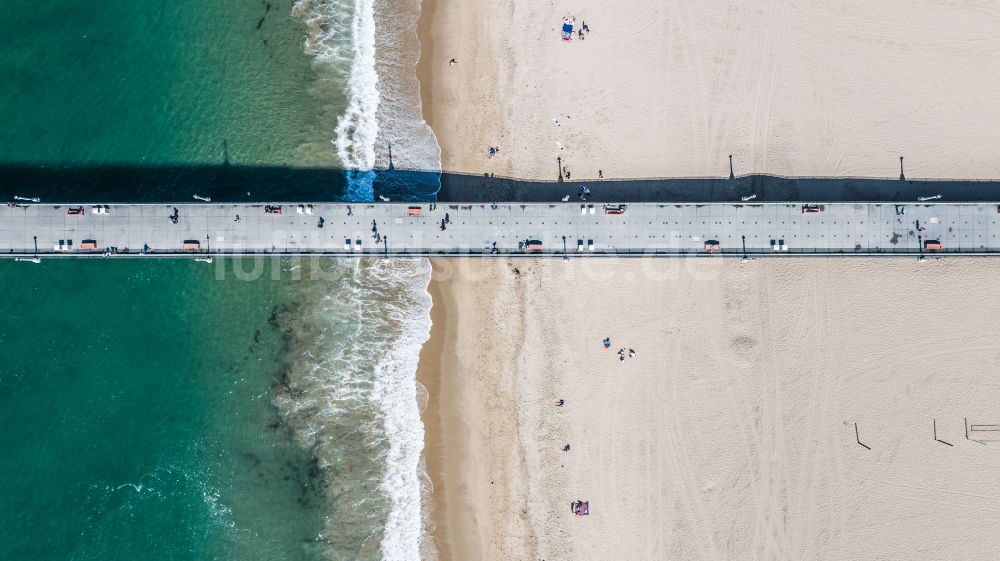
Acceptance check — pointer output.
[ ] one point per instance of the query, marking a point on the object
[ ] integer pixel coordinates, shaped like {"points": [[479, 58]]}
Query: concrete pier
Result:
{"points": [[561, 228]]}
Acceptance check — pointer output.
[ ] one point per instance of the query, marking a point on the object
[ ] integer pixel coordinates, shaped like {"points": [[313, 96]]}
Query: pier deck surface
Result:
{"points": [[665, 229]]}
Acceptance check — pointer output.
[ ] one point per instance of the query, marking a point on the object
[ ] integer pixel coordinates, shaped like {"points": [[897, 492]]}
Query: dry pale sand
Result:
{"points": [[730, 436], [671, 87]]}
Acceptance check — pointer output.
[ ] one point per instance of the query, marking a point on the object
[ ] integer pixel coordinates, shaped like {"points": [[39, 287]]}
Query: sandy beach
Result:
{"points": [[778, 409], [731, 432], [671, 89]]}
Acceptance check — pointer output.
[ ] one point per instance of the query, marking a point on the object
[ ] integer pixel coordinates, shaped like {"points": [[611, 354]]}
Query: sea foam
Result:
{"points": [[373, 44], [396, 392], [354, 391], [350, 396]]}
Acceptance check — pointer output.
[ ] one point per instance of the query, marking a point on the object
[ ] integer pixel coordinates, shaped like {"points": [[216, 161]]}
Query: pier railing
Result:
{"points": [[571, 229]]}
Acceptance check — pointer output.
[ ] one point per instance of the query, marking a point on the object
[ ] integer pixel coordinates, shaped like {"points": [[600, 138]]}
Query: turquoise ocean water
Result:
{"points": [[176, 410], [306, 84], [160, 82], [136, 401], [171, 410]]}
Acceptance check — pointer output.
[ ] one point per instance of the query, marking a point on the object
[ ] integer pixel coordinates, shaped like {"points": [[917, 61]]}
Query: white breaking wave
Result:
{"points": [[350, 394], [341, 40], [358, 127], [396, 390], [372, 46], [400, 116]]}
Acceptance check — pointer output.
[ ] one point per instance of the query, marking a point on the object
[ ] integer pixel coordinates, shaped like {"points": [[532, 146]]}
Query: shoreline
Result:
{"points": [[428, 9], [479, 454], [442, 420], [464, 104]]}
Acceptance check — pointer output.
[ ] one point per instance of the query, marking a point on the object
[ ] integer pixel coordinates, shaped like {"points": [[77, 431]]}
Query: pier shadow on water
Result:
{"points": [[234, 183]]}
